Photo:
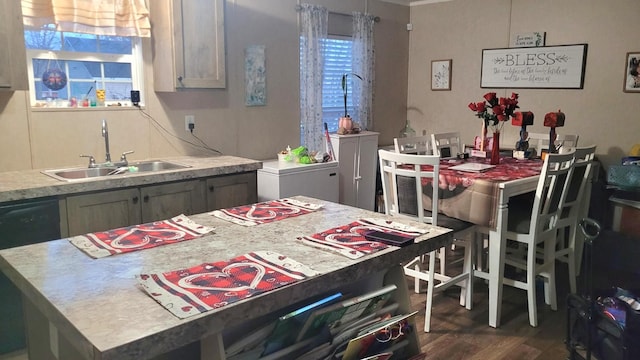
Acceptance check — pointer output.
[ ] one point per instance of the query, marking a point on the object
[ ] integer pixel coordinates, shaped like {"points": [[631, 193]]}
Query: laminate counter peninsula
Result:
{"points": [[106, 202], [29, 184], [95, 309]]}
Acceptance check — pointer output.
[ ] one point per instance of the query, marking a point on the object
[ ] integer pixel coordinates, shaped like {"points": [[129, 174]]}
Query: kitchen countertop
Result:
{"points": [[98, 306], [28, 184]]}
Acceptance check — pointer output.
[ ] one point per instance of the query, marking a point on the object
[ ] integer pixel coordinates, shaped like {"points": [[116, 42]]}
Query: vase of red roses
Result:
{"points": [[495, 112]]}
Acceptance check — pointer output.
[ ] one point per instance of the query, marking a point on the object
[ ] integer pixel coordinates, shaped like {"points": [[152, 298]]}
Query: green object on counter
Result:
{"points": [[305, 159], [300, 151]]}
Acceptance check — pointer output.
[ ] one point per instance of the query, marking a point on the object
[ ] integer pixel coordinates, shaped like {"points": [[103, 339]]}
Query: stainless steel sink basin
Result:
{"points": [[78, 173], [145, 166], [72, 174]]}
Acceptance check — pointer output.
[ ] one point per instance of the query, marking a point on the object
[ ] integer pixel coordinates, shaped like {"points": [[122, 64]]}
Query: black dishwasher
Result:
{"points": [[22, 223]]}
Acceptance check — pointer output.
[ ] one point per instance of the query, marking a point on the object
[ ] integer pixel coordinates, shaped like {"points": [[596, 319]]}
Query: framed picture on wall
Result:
{"points": [[542, 67], [441, 74], [632, 72]]}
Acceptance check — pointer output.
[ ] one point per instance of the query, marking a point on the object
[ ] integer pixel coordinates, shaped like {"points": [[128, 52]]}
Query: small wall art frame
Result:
{"points": [[255, 76], [441, 74], [632, 72]]}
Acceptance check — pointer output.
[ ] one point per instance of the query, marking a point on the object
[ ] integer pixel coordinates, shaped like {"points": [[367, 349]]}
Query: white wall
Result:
{"points": [[44, 139], [601, 113]]}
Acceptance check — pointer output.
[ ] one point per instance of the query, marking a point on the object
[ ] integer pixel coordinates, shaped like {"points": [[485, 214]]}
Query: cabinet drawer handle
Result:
{"points": [[211, 188], [332, 174], [135, 199], [146, 198]]}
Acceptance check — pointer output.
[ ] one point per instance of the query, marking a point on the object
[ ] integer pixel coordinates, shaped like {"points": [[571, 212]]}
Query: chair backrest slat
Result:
{"points": [[582, 174], [551, 192], [396, 170], [420, 145], [446, 144], [540, 141]]}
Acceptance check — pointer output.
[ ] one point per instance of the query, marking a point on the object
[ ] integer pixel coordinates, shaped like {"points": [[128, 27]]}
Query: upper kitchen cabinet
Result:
{"points": [[188, 44], [13, 58]]}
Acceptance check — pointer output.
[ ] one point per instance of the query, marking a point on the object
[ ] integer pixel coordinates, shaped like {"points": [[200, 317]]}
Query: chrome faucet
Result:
{"points": [[123, 158], [105, 135]]}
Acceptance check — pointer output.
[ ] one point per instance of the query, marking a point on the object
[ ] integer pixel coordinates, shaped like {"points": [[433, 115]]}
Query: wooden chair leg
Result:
{"points": [[416, 280], [466, 292], [531, 286], [430, 290]]}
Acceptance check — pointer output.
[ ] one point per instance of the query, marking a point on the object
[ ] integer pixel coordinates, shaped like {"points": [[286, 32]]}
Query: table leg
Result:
{"points": [[497, 242], [212, 347]]}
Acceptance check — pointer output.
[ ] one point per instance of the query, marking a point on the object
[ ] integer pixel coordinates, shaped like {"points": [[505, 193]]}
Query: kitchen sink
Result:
{"points": [[73, 174], [145, 166]]}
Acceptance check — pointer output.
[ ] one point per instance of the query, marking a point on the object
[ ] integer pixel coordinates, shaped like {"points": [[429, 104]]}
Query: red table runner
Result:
{"points": [[138, 237], [208, 286], [473, 196], [266, 212], [349, 240]]}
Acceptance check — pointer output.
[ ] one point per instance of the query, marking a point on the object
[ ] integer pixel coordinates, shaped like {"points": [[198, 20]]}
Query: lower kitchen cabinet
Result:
{"points": [[160, 202], [112, 209], [231, 190], [103, 211], [118, 208]]}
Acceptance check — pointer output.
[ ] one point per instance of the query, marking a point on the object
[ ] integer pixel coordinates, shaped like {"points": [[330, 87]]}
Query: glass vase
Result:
{"points": [[407, 131], [495, 149]]}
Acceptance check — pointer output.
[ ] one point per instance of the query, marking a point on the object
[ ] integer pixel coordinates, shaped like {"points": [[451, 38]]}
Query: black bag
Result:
{"points": [[591, 330]]}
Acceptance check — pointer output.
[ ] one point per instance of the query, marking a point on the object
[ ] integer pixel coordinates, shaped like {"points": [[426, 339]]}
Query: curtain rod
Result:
{"points": [[375, 19]]}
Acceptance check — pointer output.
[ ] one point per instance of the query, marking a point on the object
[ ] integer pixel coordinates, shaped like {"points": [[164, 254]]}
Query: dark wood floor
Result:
{"points": [[458, 333]]}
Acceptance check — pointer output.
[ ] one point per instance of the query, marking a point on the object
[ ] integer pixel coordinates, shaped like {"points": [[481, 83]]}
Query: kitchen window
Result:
{"points": [[68, 69]]}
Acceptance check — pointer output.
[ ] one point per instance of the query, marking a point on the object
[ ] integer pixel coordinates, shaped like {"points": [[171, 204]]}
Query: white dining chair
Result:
{"points": [[532, 225], [419, 145], [540, 141], [446, 145], [575, 208], [394, 166]]}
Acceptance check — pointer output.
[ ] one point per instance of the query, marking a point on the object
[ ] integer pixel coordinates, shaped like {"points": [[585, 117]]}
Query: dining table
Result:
{"points": [[482, 198]]}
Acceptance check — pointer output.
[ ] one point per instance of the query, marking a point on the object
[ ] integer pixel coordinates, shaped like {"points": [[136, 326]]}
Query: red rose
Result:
{"points": [[481, 106], [473, 107], [498, 110], [490, 96]]}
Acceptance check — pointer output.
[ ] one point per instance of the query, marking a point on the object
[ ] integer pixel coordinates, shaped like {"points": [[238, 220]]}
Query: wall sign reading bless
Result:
{"points": [[544, 67]]}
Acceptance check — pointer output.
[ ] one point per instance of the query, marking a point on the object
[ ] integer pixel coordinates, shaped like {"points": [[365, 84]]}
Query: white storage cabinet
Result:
{"points": [[279, 179], [357, 155]]}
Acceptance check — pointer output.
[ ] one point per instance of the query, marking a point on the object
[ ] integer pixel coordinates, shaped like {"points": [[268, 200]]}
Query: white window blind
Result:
{"points": [[337, 62]]}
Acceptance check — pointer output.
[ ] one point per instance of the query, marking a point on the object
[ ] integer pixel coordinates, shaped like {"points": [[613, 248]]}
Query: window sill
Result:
{"points": [[91, 108]]}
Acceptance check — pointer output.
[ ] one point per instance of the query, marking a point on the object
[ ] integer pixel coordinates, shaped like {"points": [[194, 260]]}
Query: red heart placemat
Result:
{"points": [[188, 292], [266, 212], [349, 240], [138, 237]]}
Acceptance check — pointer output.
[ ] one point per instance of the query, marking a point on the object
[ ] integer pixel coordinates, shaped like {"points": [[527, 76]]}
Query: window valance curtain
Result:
{"points": [[98, 17]]}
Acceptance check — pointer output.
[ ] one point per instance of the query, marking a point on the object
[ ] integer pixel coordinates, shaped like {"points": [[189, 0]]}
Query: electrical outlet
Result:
{"points": [[189, 123]]}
